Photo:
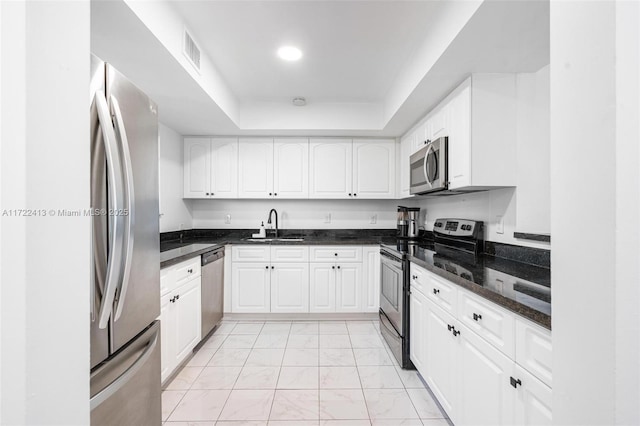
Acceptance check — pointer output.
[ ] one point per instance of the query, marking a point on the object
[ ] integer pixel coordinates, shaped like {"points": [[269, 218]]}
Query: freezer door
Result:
{"points": [[137, 301], [125, 389]]}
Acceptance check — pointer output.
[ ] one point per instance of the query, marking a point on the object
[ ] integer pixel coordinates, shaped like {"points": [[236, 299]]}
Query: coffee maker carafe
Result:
{"points": [[403, 222], [408, 222]]}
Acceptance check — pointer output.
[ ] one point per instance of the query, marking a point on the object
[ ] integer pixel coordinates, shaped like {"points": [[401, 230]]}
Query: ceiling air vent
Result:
{"points": [[191, 50]]}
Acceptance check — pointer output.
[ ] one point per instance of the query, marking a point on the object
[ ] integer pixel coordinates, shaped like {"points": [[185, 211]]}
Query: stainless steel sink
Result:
{"points": [[268, 240]]}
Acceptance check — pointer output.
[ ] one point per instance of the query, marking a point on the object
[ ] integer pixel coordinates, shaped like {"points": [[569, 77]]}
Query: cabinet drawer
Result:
{"points": [[289, 253], [419, 278], [187, 270], [442, 293], [488, 320], [533, 350], [341, 253], [250, 253]]}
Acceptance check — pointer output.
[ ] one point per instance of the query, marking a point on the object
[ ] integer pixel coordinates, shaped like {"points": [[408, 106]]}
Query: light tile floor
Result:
{"points": [[315, 373]]}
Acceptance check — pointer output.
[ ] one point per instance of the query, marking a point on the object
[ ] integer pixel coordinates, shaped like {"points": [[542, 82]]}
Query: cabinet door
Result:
{"points": [[290, 287], [371, 279], [441, 358], [374, 169], [404, 165], [330, 168], [459, 125], [188, 318], [224, 167], [167, 336], [251, 291], [197, 167], [417, 332], [486, 396], [255, 168], [291, 168], [322, 287], [534, 400], [349, 287]]}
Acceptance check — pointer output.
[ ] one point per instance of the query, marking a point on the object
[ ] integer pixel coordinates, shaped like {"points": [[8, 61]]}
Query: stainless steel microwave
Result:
{"points": [[429, 168]]}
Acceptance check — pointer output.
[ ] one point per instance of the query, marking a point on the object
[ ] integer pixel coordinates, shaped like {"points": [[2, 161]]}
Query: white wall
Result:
{"points": [[295, 214], [595, 57], [44, 273], [175, 212]]}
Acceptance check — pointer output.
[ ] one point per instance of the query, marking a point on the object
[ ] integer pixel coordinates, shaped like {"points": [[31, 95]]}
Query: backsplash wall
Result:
{"points": [[295, 214]]}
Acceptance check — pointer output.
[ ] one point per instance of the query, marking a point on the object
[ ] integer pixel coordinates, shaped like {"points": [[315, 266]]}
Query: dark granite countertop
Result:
{"points": [[194, 243], [519, 287]]}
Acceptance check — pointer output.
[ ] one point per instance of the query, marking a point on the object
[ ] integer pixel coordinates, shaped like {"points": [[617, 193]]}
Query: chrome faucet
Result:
{"points": [[269, 220]]}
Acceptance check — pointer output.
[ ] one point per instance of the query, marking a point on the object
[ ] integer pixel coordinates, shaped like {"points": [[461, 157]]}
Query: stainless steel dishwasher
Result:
{"points": [[212, 289]]}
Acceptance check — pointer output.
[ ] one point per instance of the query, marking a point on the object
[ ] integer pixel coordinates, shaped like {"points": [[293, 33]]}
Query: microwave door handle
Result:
{"points": [[129, 215], [114, 177], [426, 166]]}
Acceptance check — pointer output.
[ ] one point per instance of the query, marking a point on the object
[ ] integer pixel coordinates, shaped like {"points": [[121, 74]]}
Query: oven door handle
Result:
{"points": [[384, 321]]}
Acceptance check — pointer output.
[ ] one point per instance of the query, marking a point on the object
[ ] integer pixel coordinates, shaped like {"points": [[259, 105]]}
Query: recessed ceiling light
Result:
{"points": [[289, 53], [299, 101]]}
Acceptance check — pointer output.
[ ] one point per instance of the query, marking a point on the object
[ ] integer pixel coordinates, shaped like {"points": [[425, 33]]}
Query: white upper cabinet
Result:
{"points": [[224, 168], [374, 170], [291, 168], [362, 169], [271, 168], [330, 164], [197, 167], [255, 167], [482, 132], [210, 168]]}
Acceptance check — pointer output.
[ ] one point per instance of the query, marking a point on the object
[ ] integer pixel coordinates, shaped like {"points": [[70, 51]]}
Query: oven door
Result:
{"points": [[428, 168], [392, 290]]}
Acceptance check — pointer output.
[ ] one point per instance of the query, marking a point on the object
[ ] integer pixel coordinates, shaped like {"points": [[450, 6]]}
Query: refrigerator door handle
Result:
{"points": [[129, 214], [114, 176], [131, 371]]}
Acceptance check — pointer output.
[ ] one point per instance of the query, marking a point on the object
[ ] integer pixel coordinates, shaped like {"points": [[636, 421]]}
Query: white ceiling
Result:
{"points": [[370, 68], [353, 50]]}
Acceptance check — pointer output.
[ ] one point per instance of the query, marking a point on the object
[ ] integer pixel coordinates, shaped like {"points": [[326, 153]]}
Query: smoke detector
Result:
{"points": [[299, 101]]}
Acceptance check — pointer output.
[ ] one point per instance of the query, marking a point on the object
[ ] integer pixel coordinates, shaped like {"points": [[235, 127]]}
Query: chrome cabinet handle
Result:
{"points": [[476, 317], [116, 192], [436, 291]]}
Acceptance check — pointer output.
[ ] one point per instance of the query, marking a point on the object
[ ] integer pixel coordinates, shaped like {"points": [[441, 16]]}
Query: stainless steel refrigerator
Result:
{"points": [[125, 288]]}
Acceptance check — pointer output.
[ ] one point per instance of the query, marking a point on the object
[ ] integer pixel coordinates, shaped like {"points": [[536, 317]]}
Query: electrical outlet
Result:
{"points": [[227, 219], [374, 219], [499, 225], [327, 218], [181, 226]]}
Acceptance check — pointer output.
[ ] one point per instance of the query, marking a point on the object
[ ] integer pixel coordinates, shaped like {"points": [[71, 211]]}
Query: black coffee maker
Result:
{"points": [[408, 222]]}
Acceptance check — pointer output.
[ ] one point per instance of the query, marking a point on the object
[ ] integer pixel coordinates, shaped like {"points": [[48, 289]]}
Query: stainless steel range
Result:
{"points": [[460, 236]]}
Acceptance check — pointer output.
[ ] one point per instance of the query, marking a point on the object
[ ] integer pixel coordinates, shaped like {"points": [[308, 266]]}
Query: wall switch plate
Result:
{"points": [[227, 219], [373, 219], [499, 225], [327, 218]]}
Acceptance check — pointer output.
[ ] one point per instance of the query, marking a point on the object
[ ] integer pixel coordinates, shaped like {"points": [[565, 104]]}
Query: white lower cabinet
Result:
{"points": [[476, 377], [290, 287], [349, 287], [441, 357], [371, 279], [251, 287], [180, 316], [322, 287]]}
